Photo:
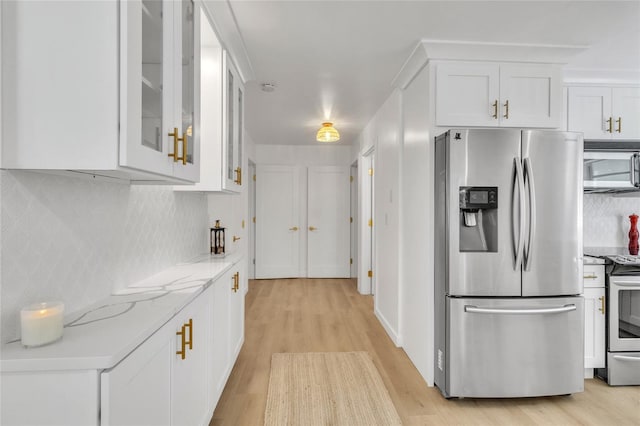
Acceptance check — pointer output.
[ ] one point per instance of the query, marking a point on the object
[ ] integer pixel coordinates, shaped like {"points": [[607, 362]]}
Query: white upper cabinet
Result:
{"points": [[233, 131], [498, 95], [113, 92], [222, 112], [604, 112]]}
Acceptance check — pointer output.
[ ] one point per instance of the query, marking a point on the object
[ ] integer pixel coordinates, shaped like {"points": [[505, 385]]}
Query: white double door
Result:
{"points": [[302, 221]]}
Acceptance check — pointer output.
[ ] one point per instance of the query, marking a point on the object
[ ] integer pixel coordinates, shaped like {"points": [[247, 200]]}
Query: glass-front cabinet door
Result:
{"points": [[233, 104], [187, 90], [158, 87]]}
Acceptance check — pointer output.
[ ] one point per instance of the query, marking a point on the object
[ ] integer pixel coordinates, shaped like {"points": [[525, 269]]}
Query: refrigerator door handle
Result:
{"points": [[519, 244], [522, 311], [528, 177]]}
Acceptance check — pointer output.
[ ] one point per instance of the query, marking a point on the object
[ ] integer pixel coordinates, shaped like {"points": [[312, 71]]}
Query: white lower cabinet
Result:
{"points": [[138, 390], [165, 381], [174, 377], [191, 367], [228, 326], [594, 318]]}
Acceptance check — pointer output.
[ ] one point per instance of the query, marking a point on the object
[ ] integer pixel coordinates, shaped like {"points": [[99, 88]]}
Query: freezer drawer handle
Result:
{"points": [[626, 358], [525, 311]]}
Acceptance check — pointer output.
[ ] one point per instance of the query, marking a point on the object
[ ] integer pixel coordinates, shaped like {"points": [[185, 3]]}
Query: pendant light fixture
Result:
{"points": [[327, 133]]}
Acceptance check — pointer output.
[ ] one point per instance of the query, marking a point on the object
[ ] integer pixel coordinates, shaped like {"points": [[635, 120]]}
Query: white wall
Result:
{"points": [[308, 155], [416, 246], [386, 217], [606, 219], [76, 240]]}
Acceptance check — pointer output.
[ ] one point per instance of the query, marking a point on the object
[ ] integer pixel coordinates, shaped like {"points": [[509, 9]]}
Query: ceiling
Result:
{"points": [[336, 59]]}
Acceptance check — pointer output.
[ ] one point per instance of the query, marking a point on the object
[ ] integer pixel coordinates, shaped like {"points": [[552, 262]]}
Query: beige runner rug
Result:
{"points": [[333, 388]]}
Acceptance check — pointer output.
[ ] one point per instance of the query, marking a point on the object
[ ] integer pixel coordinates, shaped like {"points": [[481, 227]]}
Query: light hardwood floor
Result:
{"points": [[314, 315]]}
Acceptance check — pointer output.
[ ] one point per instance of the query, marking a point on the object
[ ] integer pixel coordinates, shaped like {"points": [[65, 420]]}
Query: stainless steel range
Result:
{"points": [[623, 317]]}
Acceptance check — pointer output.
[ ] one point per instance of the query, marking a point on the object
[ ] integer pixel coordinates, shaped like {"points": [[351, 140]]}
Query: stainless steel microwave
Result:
{"points": [[611, 167]]}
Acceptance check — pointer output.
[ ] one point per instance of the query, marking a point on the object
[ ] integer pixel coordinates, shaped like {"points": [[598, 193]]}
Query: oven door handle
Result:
{"points": [[634, 170], [627, 358], [627, 284]]}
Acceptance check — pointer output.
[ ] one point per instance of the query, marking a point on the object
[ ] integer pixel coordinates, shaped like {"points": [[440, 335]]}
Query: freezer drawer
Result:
{"points": [[623, 368], [515, 347]]}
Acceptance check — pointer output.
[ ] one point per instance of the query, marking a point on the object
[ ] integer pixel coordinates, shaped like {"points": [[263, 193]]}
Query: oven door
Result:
{"points": [[624, 313]]}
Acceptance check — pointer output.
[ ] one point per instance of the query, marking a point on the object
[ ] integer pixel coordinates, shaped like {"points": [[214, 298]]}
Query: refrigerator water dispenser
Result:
{"points": [[479, 218]]}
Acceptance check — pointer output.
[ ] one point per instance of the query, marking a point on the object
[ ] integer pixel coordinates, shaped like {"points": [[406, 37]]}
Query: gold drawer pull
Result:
{"points": [[295, 228], [590, 277], [602, 305]]}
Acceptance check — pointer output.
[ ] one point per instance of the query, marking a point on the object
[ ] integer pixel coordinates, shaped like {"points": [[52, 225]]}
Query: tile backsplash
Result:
{"points": [[606, 219], [76, 240]]}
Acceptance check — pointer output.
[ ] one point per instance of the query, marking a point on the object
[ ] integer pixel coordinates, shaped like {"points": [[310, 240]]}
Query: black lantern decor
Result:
{"points": [[217, 238]]}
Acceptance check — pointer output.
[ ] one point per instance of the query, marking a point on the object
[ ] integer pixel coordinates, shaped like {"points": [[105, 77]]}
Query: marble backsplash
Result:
{"points": [[76, 240], [606, 219]]}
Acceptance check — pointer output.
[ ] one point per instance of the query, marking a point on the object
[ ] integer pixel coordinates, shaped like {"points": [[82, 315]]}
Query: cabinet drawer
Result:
{"points": [[593, 276]]}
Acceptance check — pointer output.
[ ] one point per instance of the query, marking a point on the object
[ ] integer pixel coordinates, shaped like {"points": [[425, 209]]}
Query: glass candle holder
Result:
{"points": [[41, 323]]}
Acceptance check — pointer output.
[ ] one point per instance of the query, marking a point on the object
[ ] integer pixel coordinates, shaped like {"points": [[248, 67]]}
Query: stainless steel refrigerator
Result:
{"points": [[508, 263]]}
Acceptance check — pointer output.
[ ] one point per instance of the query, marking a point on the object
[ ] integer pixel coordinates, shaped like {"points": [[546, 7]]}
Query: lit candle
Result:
{"points": [[41, 323]]}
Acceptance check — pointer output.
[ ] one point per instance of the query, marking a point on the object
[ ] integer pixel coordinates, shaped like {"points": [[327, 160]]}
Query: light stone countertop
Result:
{"points": [[101, 335]]}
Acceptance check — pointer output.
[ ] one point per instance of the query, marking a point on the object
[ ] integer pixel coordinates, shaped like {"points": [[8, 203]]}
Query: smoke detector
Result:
{"points": [[268, 87]]}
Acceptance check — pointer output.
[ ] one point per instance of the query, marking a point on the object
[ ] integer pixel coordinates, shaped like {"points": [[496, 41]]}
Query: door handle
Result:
{"points": [[528, 176], [312, 228], [295, 228], [519, 244], [515, 311]]}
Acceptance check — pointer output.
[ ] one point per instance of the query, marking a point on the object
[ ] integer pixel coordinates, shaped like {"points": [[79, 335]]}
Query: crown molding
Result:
{"points": [[427, 50], [220, 14]]}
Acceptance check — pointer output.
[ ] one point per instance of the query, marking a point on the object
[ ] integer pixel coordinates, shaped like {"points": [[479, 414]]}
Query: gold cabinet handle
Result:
{"points": [[590, 277], [506, 109], [602, 305], [176, 139], [495, 109], [235, 238], [610, 127], [238, 179], [182, 333], [235, 282], [184, 139], [190, 341], [183, 338], [619, 121], [295, 228], [312, 228]]}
